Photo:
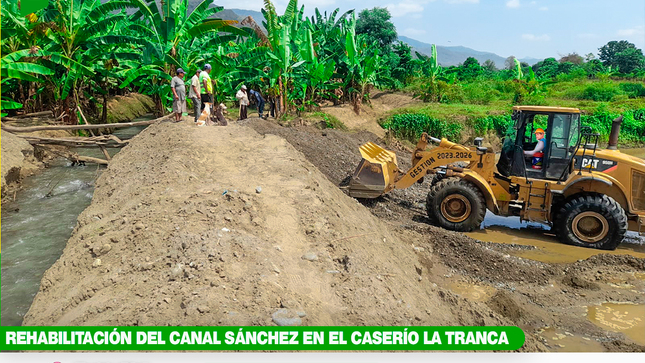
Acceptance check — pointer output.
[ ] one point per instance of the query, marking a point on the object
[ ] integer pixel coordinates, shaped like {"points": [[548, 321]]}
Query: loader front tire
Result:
{"points": [[456, 204], [591, 220]]}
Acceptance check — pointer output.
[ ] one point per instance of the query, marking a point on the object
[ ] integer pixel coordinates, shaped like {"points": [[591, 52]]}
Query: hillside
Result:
{"points": [[452, 56]]}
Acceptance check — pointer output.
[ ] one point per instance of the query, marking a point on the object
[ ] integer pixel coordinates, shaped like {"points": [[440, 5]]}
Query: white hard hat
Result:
{"points": [[243, 87]]}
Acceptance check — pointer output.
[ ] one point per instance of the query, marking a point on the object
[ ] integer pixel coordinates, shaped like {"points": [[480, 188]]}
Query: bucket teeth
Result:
{"points": [[375, 153]]}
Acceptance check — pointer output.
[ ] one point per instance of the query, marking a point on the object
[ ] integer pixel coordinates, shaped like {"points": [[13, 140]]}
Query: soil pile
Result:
{"points": [[223, 226]]}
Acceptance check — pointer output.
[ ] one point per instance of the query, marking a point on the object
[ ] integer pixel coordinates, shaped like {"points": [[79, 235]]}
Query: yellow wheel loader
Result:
{"points": [[589, 196]]}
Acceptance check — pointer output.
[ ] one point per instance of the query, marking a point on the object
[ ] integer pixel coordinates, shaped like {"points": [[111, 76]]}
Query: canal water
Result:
{"points": [[36, 227]]}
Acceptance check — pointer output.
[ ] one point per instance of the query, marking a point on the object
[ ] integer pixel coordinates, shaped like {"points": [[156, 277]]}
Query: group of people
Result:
{"points": [[200, 93]]}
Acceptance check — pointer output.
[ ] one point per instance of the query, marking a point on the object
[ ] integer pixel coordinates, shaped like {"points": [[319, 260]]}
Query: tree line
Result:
{"points": [[74, 54]]}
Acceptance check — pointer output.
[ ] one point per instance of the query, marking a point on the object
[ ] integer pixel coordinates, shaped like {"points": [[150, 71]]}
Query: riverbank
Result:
{"points": [[18, 162], [20, 159], [255, 229]]}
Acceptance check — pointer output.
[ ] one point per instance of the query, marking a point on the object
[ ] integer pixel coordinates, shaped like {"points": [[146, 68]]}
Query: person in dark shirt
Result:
{"points": [[259, 100]]}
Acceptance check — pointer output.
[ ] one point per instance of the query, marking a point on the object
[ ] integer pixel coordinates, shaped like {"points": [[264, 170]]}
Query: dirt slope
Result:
{"points": [[380, 103], [17, 159], [223, 226]]}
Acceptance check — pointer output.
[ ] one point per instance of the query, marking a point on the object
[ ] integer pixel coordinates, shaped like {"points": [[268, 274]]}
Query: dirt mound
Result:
{"points": [[17, 159], [223, 226]]}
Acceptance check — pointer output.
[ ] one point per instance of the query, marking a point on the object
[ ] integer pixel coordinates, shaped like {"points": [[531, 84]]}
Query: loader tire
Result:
{"points": [[591, 220], [456, 204]]}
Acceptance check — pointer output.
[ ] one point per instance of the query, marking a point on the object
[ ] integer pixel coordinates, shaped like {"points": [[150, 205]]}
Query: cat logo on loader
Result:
{"points": [[589, 196]]}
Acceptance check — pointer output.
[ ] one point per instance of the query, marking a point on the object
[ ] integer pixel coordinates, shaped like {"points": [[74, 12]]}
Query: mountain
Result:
{"points": [[452, 56], [257, 16]]}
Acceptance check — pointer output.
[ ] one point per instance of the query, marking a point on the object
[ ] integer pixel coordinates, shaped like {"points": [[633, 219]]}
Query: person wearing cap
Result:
{"points": [[195, 94], [541, 143], [206, 86], [179, 94], [244, 102]]}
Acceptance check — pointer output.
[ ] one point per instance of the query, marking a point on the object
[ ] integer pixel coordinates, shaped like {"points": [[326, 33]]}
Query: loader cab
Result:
{"points": [[562, 133]]}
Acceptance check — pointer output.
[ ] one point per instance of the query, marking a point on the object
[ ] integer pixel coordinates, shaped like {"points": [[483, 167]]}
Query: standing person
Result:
{"points": [[179, 94], [206, 86], [195, 94], [259, 100], [272, 102], [244, 102]]}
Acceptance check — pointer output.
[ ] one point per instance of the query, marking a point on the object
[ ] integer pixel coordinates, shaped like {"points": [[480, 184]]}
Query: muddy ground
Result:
{"points": [[225, 226], [553, 297]]}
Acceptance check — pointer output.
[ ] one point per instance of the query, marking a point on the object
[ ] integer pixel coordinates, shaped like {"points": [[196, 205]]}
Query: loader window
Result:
{"points": [[561, 140]]}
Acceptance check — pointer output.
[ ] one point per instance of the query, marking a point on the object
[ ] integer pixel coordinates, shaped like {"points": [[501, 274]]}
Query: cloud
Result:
{"points": [[637, 30], [405, 7], [413, 32], [513, 4], [543, 8], [536, 38]]}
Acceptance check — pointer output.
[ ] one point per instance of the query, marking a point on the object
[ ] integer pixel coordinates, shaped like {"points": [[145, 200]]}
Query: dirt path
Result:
{"points": [[381, 102]]}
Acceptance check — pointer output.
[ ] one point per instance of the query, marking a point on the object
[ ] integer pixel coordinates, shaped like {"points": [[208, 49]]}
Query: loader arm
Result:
{"points": [[378, 172], [426, 161]]}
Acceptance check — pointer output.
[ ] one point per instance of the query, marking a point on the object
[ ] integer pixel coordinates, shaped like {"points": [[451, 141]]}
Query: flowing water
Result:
{"points": [[35, 228]]}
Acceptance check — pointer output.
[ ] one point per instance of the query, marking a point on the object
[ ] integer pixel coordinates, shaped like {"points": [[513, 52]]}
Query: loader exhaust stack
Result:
{"points": [[615, 130]]}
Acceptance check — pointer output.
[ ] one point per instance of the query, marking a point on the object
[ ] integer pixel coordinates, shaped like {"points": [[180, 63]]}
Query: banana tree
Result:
{"points": [[434, 72], [77, 33], [362, 66], [12, 69], [165, 31]]}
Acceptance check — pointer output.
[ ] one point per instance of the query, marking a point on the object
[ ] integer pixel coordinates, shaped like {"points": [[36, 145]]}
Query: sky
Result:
{"points": [[523, 28]]}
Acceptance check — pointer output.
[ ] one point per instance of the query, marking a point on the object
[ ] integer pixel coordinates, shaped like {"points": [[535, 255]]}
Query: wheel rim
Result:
{"points": [[455, 208], [590, 227]]}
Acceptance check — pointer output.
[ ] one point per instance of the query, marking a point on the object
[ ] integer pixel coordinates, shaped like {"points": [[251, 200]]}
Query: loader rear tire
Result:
{"points": [[591, 220], [456, 204]]}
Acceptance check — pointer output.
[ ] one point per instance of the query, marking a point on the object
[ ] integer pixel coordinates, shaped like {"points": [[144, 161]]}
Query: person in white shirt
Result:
{"points": [[244, 102], [194, 94]]}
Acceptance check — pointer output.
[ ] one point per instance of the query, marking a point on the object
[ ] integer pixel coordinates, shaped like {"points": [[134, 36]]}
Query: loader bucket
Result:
{"points": [[375, 173]]}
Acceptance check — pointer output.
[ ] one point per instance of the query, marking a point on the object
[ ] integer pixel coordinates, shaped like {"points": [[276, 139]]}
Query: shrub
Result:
{"points": [[411, 125], [331, 121], [499, 123], [480, 93], [600, 92], [633, 90]]}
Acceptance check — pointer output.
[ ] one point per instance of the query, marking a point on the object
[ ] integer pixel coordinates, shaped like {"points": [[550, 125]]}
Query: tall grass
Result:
{"points": [[410, 126]]}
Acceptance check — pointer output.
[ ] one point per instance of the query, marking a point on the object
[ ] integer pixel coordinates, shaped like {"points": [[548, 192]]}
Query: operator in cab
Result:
{"points": [[537, 153], [541, 142]]}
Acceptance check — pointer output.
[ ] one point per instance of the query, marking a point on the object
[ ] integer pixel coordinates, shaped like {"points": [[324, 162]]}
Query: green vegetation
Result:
{"points": [[75, 54], [331, 122]]}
